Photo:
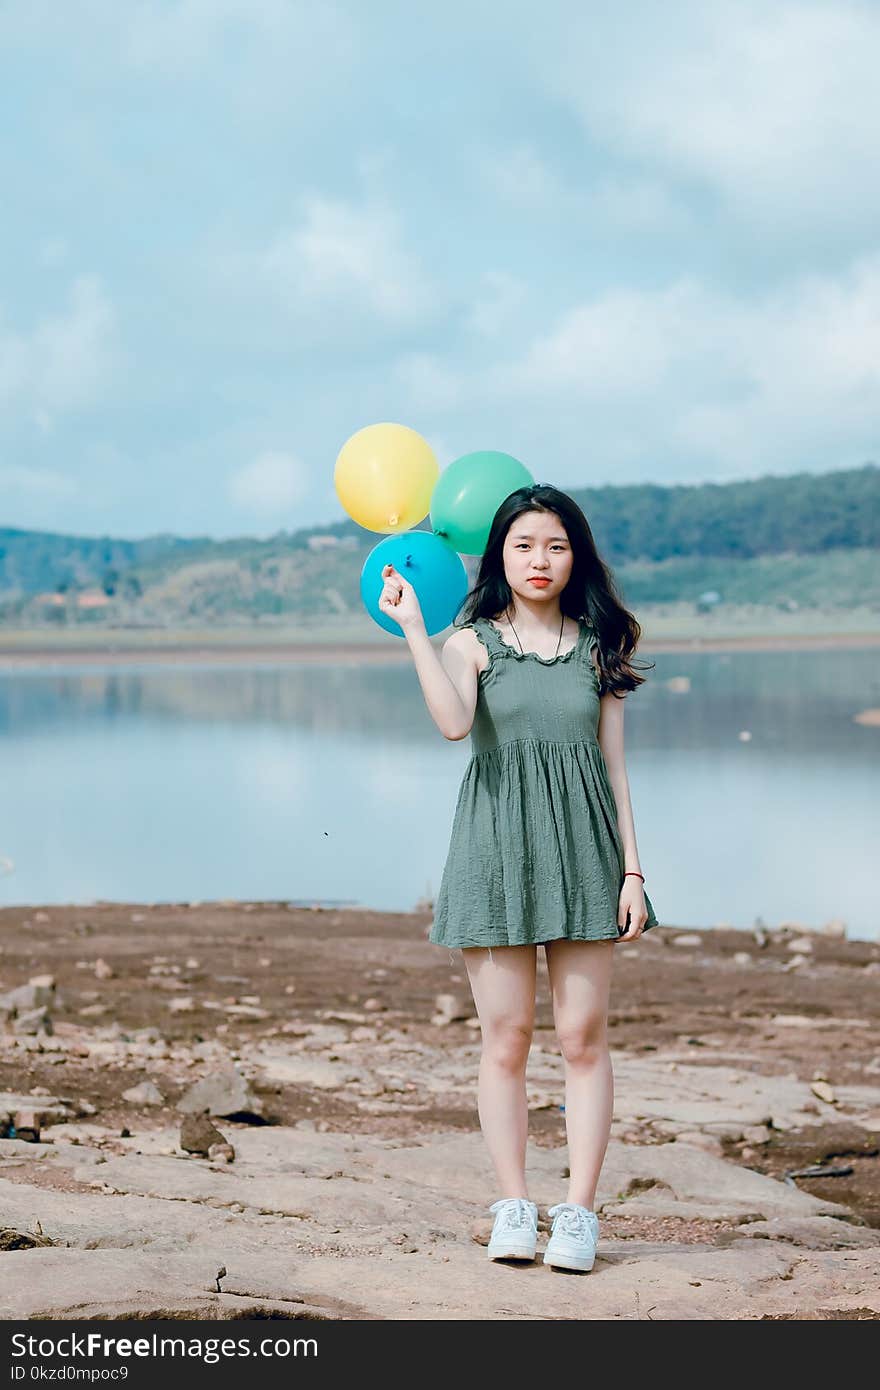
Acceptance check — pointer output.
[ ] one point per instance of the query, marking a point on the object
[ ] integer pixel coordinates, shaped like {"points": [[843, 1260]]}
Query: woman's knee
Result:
{"points": [[506, 1043], [583, 1043]]}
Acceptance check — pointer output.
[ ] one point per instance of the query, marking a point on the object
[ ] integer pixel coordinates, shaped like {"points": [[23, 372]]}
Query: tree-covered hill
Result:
{"points": [[785, 541]]}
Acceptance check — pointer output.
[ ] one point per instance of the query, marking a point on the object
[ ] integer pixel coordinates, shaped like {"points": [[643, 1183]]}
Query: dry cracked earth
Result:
{"points": [[337, 1053]]}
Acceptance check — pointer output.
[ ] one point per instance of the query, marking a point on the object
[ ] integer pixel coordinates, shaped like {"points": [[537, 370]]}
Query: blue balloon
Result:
{"points": [[434, 569]]}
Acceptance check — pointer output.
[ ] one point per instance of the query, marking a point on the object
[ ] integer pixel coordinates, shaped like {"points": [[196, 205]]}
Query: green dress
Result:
{"points": [[535, 852]]}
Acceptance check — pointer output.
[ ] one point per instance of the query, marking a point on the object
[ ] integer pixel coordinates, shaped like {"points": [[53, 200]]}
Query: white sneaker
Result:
{"points": [[515, 1232], [574, 1237]]}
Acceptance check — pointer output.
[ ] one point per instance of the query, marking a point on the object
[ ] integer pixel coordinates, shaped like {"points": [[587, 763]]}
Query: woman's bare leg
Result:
{"points": [[504, 995], [580, 982]]}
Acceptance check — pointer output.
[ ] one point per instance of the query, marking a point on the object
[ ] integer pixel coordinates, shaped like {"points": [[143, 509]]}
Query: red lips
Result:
{"points": [[539, 581]]}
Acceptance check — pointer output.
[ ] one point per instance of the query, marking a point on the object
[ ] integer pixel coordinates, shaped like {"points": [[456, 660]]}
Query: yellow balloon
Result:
{"points": [[384, 477]]}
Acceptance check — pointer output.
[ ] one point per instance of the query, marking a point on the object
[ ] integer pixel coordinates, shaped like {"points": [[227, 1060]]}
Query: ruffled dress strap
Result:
{"points": [[587, 644], [490, 637], [495, 648]]}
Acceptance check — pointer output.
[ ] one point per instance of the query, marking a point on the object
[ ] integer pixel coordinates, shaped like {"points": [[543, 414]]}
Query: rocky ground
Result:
{"points": [[336, 1051]]}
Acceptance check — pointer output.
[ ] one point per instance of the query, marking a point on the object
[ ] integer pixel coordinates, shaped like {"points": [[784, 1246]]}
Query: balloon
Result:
{"points": [[469, 493], [384, 476], [433, 568]]}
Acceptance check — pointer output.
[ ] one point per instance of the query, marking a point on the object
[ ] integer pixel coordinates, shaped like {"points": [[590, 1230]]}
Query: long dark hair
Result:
{"points": [[590, 593]]}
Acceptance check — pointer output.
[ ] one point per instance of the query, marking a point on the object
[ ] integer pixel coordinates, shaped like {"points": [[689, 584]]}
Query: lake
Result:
{"points": [[146, 783]]}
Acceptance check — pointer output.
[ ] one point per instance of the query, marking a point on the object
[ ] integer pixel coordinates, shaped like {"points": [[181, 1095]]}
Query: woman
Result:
{"points": [[543, 847]]}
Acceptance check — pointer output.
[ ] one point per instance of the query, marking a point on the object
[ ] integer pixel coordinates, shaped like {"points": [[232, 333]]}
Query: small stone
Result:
{"points": [[33, 1021], [27, 1125], [756, 1134], [198, 1134], [146, 1093], [823, 1091], [103, 971], [451, 1008], [222, 1152]]}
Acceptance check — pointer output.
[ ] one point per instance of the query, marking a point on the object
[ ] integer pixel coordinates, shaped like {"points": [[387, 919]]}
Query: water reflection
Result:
{"points": [[326, 781]]}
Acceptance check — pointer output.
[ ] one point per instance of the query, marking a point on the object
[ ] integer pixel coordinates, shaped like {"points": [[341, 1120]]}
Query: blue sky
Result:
{"points": [[623, 243]]}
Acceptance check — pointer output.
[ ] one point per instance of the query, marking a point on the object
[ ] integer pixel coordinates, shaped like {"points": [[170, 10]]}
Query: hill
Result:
{"points": [[808, 540]]}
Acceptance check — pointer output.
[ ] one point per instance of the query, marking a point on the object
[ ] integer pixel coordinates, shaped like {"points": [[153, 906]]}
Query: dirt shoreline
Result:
{"points": [[392, 653], [358, 1182], [784, 1001]]}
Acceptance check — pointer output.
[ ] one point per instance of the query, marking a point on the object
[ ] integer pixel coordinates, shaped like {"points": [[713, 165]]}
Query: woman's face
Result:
{"points": [[536, 545]]}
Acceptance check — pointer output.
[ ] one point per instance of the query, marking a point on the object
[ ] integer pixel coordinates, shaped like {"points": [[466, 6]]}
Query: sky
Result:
{"points": [[624, 243]]}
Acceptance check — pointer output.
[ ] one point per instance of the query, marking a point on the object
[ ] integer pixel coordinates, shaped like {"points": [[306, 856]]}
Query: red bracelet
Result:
{"points": [[634, 873]]}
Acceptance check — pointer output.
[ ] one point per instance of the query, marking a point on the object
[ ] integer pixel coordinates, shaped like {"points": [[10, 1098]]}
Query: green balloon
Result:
{"points": [[469, 492]]}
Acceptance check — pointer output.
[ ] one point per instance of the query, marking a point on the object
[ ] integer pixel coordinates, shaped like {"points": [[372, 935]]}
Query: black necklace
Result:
{"points": [[555, 654]]}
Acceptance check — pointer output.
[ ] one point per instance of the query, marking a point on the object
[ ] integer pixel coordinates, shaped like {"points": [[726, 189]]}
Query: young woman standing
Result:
{"points": [[543, 847]]}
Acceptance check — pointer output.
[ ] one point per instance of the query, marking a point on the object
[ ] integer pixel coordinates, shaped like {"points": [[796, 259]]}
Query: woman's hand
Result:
{"points": [[398, 599], [631, 904]]}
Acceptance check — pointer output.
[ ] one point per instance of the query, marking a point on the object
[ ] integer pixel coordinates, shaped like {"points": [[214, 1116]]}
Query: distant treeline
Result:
{"points": [[804, 513]]}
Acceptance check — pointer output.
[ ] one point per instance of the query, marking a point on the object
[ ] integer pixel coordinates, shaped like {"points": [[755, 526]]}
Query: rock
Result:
{"points": [[801, 944], [796, 962], [823, 1091], [103, 971], [698, 1140], [222, 1153], [27, 1125], [198, 1134], [373, 1005], [37, 994], [451, 1008], [221, 1093], [742, 958], [687, 939], [836, 927], [146, 1093], [33, 1021], [756, 1134]]}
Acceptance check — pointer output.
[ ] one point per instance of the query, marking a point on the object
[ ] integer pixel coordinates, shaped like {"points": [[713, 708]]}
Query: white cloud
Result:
{"points": [[270, 484], [691, 373], [774, 107], [255, 58], [65, 360], [350, 254]]}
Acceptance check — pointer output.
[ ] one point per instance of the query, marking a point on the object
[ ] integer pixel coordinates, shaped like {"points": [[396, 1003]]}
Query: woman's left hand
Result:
{"points": [[631, 905]]}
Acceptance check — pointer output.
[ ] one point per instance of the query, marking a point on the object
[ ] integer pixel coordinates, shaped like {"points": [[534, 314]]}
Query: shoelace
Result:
{"points": [[573, 1220], [515, 1212]]}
